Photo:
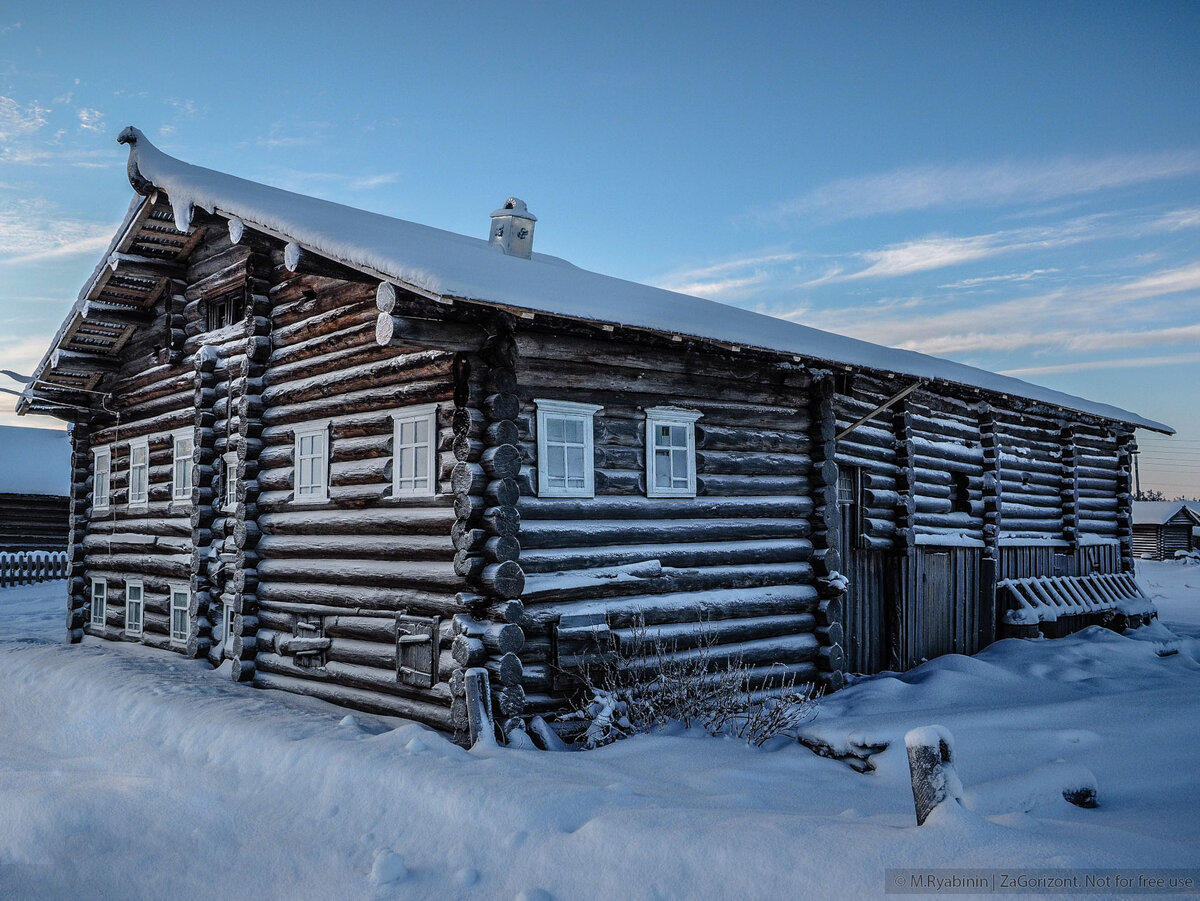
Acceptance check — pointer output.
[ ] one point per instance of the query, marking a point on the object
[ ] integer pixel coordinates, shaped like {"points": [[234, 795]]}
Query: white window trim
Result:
{"points": [[230, 460], [143, 443], [102, 453], [569, 409], [303, 431], [427, 412], [135, 583], [656, 416], [172, 589], [175, 437], [103, 609]]}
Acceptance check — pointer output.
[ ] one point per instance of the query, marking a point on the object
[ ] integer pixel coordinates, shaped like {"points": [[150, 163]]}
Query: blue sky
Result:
{"points": [[1014, 185]]}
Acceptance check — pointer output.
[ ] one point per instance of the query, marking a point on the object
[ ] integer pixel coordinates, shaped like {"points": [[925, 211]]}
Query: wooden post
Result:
{"points": [[479, 707], [931, 765]]}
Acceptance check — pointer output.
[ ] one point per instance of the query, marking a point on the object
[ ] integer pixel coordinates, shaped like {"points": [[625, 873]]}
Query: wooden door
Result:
{"points": [[936, 605]]}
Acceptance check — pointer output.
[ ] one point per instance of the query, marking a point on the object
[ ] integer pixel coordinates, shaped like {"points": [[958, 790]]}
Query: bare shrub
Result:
{"points": [[644, 682]]}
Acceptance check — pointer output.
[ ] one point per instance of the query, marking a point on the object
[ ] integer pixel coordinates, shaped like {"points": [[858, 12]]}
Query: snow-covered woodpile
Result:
{"points": [[357, 481]]}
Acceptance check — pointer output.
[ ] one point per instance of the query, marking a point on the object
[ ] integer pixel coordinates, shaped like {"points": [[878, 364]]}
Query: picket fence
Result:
{"points": [[25, 567]]}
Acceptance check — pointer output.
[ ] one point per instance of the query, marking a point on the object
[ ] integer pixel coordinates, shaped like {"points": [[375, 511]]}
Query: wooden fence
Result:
{"points": [[25, 567]]}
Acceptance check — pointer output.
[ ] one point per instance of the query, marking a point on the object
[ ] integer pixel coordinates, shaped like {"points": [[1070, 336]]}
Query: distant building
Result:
{"points": [[35, 487], [1161, 528]]}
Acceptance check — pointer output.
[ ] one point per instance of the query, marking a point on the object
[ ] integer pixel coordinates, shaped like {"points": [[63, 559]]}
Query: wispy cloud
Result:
{"points": [[728, 278], [17, 120], [366, 182], [34, 230], [5, 29], [983, 185], [90, 119], [1092, 365], [1010, 277], [1073, 318]]}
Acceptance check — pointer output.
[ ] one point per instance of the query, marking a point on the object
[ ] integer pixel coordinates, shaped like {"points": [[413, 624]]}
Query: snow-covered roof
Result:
{"points": [[453, 267], [1157, 513], [34, 461]]}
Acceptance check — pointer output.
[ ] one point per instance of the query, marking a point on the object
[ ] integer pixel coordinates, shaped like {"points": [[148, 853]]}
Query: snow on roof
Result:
{"points": [[34, 461], [450, 266], [1157, 513]]}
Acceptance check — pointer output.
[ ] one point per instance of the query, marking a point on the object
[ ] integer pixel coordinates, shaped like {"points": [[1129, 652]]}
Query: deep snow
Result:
{"points": [[130, 773]]}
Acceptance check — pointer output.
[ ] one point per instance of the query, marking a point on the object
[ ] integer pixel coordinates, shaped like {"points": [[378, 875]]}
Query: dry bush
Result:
{"points": [[645, 682]]}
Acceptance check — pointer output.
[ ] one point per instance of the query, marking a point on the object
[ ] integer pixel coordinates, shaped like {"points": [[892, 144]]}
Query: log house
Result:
{"points": [[360, 457]]}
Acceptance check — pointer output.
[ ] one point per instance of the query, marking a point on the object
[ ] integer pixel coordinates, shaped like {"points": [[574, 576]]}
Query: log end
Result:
{"points": [[384, 329]]}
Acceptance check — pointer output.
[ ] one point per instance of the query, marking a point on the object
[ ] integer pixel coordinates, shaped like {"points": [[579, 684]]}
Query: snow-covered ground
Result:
{"points": [[129, 773]]}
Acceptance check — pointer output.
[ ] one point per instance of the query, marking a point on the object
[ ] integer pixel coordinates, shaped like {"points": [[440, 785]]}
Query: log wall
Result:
{"points": [[331, 576], [34, 522], [737, 557]]}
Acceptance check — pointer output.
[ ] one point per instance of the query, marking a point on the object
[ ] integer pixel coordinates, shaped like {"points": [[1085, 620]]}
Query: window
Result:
{"points": [[671, 452], [181, 472], [850, 503], [312, 462], [139, 471], [101, 477], [221, 312], [231, 480], [413, 446], [133, 607], [99, 602], [227, 626], [564, 447], [180, 598]]}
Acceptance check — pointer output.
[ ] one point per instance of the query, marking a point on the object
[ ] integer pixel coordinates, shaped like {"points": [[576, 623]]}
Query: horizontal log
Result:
{"points": [[431, 714], [442, 334], [598, 508], [720, 604], [687, 635], [320, 598], [427, 574], [373, 547], [577, 533], [413, 520], [650, 577]]}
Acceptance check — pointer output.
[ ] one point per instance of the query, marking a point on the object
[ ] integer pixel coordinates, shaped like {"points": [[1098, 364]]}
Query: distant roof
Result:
{"points": [[1157, 513], [34, 461], [452, 267]]}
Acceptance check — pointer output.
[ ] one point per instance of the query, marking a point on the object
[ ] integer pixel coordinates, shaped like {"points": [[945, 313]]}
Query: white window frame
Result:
{"points": [[670, 416], [130, 585], [99, 611], [142, 499], [231, 463], [174, 591], [101, 476], [423, 413], [565, 409], [311, 430], [182, 492]]}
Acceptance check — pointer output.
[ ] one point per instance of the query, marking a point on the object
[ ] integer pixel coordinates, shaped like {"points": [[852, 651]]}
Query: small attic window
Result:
{"points": [[221, 312], [960, 492]]}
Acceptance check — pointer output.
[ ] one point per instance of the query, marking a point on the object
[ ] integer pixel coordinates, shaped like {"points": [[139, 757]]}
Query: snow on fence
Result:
{"points": [[24, 567]]}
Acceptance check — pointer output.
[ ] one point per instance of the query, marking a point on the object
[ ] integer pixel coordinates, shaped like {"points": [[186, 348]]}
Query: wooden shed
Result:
{"points": [[35, 484], [1163, 528], [359, 457]]}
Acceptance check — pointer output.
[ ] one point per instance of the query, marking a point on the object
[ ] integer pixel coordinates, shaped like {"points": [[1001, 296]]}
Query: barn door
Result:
{"points": [[936, 605]]}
